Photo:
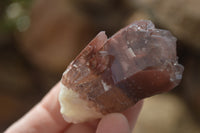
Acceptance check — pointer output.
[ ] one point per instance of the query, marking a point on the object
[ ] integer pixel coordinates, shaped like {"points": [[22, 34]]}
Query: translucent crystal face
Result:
{"points": [[140, 46], [137, 62]]}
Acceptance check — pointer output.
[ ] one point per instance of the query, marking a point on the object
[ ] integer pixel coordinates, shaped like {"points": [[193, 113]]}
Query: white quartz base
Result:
{"points": [[74, 109]]}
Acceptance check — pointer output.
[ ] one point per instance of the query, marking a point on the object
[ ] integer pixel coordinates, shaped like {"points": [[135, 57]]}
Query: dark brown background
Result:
{"points": [[39, 38]]}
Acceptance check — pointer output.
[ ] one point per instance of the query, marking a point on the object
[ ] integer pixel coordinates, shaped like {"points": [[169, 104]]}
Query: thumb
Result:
{"points": [[113, 123]]}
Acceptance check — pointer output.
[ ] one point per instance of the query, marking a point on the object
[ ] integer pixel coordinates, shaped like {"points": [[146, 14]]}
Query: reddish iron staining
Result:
{"points": [[137, 62]]}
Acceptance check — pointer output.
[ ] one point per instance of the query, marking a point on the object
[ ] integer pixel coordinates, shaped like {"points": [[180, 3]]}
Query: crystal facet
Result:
{"points": [[112, 74]]}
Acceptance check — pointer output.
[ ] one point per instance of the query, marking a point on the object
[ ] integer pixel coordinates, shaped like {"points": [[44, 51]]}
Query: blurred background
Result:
{"points": [[39, 38]]}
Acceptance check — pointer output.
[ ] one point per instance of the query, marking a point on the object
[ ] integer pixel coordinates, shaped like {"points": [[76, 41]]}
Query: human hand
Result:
{"points": [[45, 117]]}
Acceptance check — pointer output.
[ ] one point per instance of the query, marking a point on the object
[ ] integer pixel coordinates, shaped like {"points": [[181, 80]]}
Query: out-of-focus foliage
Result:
{"points": [[14, 15]]}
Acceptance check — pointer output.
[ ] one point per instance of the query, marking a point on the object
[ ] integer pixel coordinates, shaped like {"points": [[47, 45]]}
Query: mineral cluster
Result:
{"points": [[111, 75]]}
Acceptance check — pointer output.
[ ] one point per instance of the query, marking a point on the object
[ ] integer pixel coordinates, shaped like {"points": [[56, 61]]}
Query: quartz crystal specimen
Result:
{"points": [[111, 75]]}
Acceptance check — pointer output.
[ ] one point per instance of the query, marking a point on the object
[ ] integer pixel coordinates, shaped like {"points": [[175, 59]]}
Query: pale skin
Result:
{"points": [[45, 117]]}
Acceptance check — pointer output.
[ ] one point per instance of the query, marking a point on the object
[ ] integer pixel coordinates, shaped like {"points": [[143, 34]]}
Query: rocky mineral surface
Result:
{"points": [[112, 74]]}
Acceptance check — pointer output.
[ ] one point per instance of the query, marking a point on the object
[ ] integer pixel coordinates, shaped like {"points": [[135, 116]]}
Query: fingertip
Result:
{"points": [[113, 123], [79, 128], [133, 113]]}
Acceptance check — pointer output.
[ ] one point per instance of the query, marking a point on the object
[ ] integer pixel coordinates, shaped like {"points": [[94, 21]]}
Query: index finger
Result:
{"points": [[44, 117]]}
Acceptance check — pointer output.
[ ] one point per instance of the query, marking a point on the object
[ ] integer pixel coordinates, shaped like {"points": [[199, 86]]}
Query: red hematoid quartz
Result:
{"points": [[113, 74]]}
